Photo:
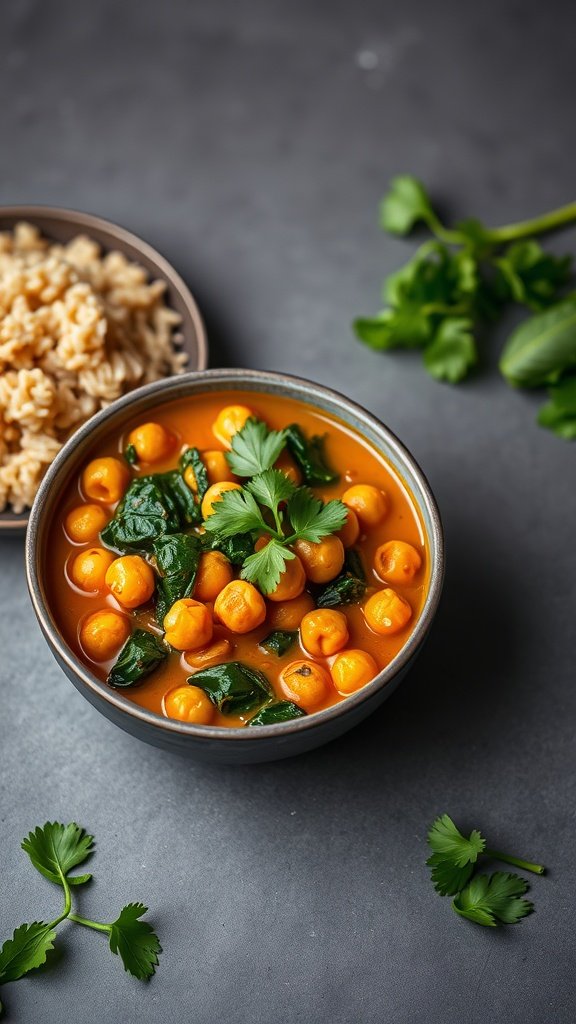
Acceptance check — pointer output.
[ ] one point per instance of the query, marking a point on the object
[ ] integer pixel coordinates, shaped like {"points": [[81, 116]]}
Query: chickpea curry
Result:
{"points": [[238, 560]]}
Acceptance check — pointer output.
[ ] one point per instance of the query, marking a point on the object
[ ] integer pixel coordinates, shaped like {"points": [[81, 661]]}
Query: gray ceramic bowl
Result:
{"points": [[212, 743], [61, 225]]}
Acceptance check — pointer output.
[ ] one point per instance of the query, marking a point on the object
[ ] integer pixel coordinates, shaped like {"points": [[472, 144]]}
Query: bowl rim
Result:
{"points": [[230, 377], [92, 221]]}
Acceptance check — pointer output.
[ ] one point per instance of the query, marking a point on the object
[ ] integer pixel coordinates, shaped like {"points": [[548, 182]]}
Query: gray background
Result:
{"points": [[250, 143]]}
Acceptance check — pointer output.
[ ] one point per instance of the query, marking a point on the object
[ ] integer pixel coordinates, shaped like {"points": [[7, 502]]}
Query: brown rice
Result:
{"points": [[77, 330]]}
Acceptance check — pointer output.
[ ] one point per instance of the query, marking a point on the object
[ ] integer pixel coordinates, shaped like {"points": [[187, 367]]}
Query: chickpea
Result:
{"points": [[324, 632], [350, 532], [386, 612], [131, 580], [152, 442], [397, 562], [285, 463], [229, 421], [88, 570], [105, 480], [189, 704], [188, 625], [215, 652], [103, 633], [214, 573], [214, 494], [369, 503], [322, 561], [292, 582], [240, 607], [305, 683], [289, 615], [83, 524], [351, 670]]}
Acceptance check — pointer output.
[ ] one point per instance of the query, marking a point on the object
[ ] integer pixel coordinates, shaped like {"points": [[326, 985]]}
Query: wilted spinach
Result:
{"points": [[308, 453], [277, 711], [177, 557], [191, 457], [233, 687], [152, 506], [141, 654], [237, 549], [280, 641], [349, 587], [131, 455]]}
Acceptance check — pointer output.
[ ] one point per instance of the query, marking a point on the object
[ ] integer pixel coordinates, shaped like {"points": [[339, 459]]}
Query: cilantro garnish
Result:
{"points": [[441, 300], [55, 849], [269, 505], [487, 900]]}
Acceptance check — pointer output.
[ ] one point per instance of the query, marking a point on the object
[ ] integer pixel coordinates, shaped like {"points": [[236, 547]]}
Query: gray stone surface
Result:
{"points": [[251, 142]]}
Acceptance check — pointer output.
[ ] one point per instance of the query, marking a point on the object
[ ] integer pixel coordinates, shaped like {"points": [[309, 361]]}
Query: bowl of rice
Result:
{"points": [[88, 312]]}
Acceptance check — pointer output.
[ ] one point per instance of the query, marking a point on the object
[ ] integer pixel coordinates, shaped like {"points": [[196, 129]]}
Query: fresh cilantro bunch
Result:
{"points": [[54, 850], [488, 900], [465, 277], [269, 505]]}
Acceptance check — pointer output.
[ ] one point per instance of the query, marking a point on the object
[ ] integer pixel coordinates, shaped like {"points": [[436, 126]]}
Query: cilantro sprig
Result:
{"points": [[55, 850], [464, 278], [269, 505], [486, 900]]}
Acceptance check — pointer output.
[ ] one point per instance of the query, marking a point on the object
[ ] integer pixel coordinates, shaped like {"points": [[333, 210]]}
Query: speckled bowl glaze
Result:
{"points": [[59, 225], [213, 743]]}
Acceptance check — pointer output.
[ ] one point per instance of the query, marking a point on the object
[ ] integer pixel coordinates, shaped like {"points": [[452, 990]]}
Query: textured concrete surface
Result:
{"points": [[250, 142]]}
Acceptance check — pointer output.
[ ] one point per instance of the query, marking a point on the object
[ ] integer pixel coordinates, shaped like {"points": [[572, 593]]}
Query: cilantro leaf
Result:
{"points": [[405, 204], [235, 512], [255, 448], [311, 519], [445, 839], [494, 899], [559, 414], [452, 352], [448, 879], [270, 488], [394, 328], [135, 941], [55, 849], [531, 276], [266, 566], [26, 950]]}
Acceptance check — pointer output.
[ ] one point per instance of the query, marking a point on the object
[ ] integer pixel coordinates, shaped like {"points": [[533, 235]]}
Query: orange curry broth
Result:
{"points": [[191, 421]]}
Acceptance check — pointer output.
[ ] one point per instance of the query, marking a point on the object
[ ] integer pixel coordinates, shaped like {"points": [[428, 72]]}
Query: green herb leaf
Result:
{"points": [[452, 352], [177, 558], [348, 588], [406, 327], [542, 347], [237, 548], [531, 276], [192, 458], [233, 687], [142, 654], [152, 507], [55, 849], [270, 488], [277, 711], [26, 950], [492, 900], [255, 448], [311, 519], [559, 414], [135, 941], [266, 566], [235, 512], [406, 203], [280, 641], [447, 878], [309, 455], [131, 455], [445, 839]]}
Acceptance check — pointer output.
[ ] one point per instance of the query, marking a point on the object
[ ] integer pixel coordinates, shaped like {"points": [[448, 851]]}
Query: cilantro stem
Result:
{"points": [[559, 218], [536, 869], [91, 924], [67, 900], [444, 234]]}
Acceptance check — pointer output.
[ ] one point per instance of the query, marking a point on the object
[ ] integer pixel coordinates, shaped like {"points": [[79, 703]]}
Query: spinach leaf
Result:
{"points": [[152, 506], [542, 347], [309, 454], [349, 587], [177, 557], [131, 455], [141, 654], [277, 711], [233, 687], [191, 457], [237, 549], [280, 641]]}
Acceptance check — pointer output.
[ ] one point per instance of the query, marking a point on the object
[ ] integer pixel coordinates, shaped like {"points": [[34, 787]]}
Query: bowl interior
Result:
{"points": [[73, 454], [60, 225]]}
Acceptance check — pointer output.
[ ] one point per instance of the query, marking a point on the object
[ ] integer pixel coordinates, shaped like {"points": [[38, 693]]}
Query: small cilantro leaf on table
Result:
{"points": [[135, 941], [490, 900], [26, 950], [55, 849]]}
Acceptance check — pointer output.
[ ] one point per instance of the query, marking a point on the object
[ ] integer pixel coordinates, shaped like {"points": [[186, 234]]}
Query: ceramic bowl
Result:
{"points": [[213, 743], [60, 225]]}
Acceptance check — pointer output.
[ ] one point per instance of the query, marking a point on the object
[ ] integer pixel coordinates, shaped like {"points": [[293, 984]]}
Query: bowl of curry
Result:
{"points": [[237, 565]]}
